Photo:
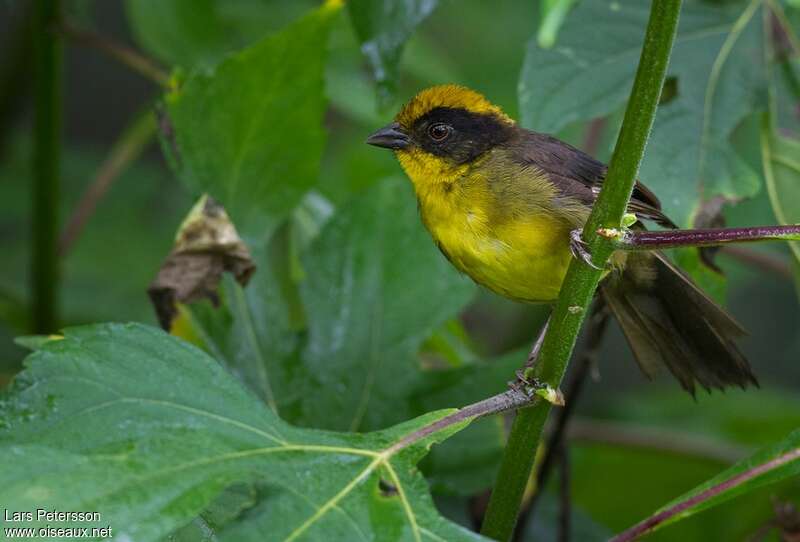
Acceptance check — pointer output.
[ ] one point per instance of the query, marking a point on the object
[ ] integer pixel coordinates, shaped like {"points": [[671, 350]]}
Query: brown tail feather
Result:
{"points": [[669, 321]]}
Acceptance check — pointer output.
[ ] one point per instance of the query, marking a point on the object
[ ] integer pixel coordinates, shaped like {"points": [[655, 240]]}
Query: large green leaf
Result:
{"points": [[717, 63], [768, 466], [147, 430], [383, 26], [250, 131], [198, 33], [374, 288]]}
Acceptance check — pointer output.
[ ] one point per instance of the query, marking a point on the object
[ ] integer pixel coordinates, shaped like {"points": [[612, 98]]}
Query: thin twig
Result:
{"points": [[127, 56], [762, 261], [630, 435], [502, 402], [127, 149], [657, 240], [594, 133], [513, 398], [477, 508]]}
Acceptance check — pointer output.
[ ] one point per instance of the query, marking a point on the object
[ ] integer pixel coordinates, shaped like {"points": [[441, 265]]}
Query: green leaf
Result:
{"points": [[383, 27], [222, 511], [147, 430], [250, 131], [450, 346], [718, 62], [199, 33], [34, 342], [768, 466], [374, 288], [781, 161]]}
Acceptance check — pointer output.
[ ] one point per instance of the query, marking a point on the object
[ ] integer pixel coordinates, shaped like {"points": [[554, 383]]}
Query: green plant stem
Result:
{"points": [[598, 321], [581, 280], [46, 191]]}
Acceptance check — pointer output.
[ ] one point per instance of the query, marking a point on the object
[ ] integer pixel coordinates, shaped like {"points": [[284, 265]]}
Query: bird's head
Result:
{"points": [[442, 131]]}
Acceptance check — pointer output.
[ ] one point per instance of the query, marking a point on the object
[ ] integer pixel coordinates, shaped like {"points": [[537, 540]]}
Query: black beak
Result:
{"points": [[390, 136]]}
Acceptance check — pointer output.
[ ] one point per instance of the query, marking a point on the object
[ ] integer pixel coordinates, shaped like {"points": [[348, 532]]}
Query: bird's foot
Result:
{"points": [[523, 383], [533, 387], [522, 379], [579, 248]]}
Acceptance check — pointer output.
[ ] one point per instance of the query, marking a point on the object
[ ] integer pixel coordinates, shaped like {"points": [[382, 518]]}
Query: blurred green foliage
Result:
{"points": [[350, 322]]}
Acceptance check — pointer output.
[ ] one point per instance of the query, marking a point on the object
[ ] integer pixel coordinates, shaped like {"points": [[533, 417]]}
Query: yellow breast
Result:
{"points": [[511, 249]]}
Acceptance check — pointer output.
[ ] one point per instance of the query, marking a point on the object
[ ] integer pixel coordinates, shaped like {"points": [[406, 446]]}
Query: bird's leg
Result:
{"points": [[537, 345], [524, 380], [579, 248], [656, 240], [527, 383]]}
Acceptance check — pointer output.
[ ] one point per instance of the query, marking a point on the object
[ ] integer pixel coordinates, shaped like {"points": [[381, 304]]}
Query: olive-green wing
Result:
{"points": [[579, 176]]}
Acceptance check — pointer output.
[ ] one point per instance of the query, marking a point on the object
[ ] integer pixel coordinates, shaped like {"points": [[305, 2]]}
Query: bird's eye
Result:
{"points": [[439, 131]]}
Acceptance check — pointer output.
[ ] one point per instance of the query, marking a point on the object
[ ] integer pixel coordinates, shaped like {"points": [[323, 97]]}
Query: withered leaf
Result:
{"points": [[206, 245]]}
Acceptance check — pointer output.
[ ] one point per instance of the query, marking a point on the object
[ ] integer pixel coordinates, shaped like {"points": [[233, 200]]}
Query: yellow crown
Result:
{"points": [[450, 96]]}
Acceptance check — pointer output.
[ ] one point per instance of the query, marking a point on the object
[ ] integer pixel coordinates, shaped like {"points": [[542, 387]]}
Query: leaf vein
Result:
{"points": [[177, 406], [261, 363], [713, 79], [412, 520]]}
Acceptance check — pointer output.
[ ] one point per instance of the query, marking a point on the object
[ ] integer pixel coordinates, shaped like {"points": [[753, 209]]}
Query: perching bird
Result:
{"points": [[501, 202]]}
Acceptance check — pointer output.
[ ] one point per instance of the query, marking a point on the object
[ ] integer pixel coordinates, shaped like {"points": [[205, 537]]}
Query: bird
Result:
{"points": [[503, 203]]}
